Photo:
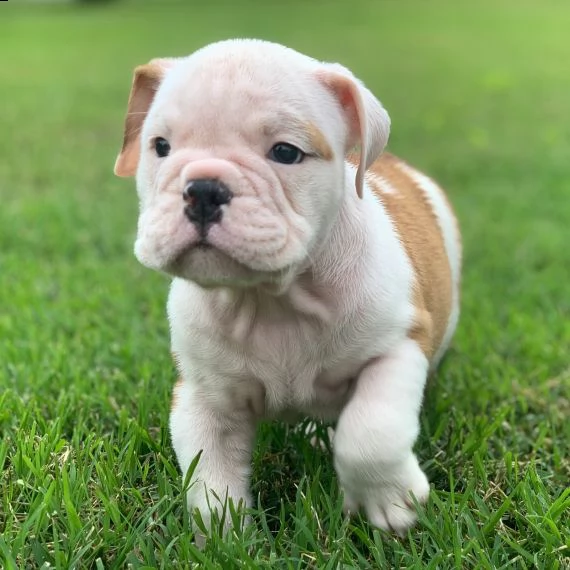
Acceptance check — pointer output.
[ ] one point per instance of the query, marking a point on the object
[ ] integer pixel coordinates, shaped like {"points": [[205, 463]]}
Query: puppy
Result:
{"points": [[308, 281]]}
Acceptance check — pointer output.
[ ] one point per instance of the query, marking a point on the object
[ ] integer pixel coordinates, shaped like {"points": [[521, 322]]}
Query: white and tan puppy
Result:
{"points": [[307, 281]]}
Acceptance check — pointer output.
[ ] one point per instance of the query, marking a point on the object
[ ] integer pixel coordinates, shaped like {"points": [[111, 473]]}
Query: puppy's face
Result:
{"points": [[239, 155]]}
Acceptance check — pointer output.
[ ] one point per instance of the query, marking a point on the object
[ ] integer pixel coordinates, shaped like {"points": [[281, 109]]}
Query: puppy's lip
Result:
{"points": [[204, 247], [201, 245]]}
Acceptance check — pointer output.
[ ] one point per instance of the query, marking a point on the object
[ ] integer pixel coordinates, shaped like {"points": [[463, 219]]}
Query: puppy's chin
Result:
{"points": [[210, 267]]}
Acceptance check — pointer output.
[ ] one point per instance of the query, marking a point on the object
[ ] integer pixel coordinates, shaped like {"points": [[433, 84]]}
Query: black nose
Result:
{"points": [[204, 198]]}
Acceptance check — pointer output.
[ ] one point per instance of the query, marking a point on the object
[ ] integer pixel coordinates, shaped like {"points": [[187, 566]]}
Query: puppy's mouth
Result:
{"points": [[203, 245], [202, 249], [210, 267]]}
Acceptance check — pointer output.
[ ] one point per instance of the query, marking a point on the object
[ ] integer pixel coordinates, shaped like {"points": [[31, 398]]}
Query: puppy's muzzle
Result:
{"points": [[204, 198]]}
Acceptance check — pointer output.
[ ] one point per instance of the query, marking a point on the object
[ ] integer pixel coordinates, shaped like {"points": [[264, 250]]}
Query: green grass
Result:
{"points": [[479, 97]]}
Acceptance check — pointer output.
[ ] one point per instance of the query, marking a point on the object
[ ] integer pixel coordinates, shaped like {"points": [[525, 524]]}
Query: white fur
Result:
{"points": [[304, 302]]}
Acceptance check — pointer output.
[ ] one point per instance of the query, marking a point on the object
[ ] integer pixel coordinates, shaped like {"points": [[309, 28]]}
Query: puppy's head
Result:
{"points": [[238, 152]]}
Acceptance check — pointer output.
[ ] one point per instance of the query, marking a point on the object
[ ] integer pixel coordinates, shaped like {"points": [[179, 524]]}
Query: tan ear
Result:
{"points": [[146, 81], [368, 121]]}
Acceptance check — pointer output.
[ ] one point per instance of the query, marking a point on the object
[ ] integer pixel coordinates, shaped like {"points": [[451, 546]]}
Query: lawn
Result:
{"points": [[479, 95]]}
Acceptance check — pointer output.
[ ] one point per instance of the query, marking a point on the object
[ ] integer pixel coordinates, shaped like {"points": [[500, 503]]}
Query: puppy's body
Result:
{"points": [[298, 353], [304, 296]]}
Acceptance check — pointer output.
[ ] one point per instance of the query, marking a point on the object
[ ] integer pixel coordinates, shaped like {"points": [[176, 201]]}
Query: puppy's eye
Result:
{"points": [[161, 146], [286, 153]]}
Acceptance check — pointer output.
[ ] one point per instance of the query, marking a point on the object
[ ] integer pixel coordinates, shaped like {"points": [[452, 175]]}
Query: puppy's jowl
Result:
{"points": [[308, 280]]}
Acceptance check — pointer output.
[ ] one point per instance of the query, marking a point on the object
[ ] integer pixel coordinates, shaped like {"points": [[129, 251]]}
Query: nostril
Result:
{"points": [[189, 192], [222, 196], [189, 196]]}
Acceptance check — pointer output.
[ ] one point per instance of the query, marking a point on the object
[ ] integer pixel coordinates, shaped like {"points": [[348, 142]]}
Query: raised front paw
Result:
{"points": [[384, 492]]}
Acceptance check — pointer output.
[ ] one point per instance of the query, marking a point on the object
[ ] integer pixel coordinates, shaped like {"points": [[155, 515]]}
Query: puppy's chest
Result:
{"points": [[291, 365]]}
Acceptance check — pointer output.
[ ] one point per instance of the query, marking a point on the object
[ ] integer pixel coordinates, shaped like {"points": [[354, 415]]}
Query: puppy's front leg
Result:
{"points": [[224, 434], [375, 434]]}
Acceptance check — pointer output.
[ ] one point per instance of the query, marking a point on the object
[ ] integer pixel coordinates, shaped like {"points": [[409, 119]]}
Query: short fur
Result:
{"points": [[329, 288]]}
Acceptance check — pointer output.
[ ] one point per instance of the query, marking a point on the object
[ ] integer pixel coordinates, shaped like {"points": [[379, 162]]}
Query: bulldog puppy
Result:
{"points": [[308, 281]]}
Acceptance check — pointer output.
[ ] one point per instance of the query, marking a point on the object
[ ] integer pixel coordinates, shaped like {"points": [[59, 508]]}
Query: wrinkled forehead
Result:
{"points": [[238, 87]]}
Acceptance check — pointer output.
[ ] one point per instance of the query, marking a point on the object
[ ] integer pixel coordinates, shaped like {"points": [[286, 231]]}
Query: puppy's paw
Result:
{"points": [[385, 493], [214, 513]]}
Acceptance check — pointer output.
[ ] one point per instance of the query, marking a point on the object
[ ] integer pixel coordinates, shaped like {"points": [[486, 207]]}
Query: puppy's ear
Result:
{"points": [[368, 122], [147, 79]]}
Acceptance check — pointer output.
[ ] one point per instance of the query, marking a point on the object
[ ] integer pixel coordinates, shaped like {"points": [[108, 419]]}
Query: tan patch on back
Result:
{"points": [[420, 232], [319, 142]]}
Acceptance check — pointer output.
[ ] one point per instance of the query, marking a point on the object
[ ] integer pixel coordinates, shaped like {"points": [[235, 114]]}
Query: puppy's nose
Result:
{"points": [[204, 198]]}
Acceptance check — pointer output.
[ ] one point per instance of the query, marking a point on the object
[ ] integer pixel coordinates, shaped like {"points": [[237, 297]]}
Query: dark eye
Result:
{"points": [[286, 153], [161, 146]]}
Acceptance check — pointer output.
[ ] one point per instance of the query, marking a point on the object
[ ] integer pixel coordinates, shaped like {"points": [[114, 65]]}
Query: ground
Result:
{"points": [[478, 95]]}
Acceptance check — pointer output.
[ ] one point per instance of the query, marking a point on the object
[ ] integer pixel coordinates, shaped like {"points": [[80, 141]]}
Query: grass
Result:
{"points": [[478, 94]]}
